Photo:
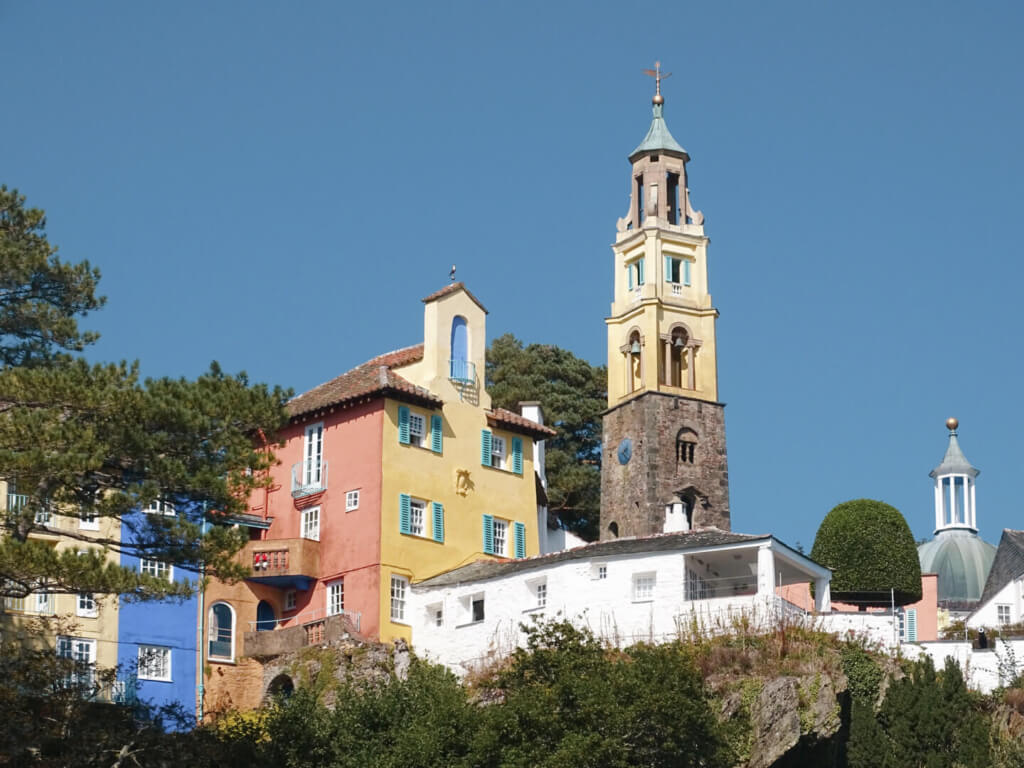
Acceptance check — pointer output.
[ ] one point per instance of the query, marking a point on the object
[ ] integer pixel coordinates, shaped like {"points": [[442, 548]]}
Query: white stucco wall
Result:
{"points": [[984, 669]]}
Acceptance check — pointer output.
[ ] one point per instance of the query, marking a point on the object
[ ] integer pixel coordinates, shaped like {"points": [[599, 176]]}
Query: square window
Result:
{"points": [[87, 606], [498, 452], [417, 428], [311, 523], [417, 514], [500, 537], [336, 597], [154, 663], [643, 586], [289, 600], [351, 500], [399, 588], [599, 571], [1003, 614], [83, 653], [89, 522], [156, 568]]}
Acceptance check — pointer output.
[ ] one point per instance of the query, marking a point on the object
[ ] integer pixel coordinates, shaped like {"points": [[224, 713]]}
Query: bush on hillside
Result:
{"points": [[871, 551]]}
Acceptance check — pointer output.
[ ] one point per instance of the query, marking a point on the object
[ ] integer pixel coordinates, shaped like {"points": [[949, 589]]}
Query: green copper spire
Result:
{"points": [[658, 138]]}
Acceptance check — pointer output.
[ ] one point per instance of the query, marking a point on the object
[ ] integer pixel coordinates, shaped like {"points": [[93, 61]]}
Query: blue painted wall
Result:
{"points": [[172, 624]]}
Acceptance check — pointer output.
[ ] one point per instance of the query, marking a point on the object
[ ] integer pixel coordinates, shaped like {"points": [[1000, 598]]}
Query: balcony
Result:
{"points": [[283, 563], [462, 372], [308, 478], [317, 631]]}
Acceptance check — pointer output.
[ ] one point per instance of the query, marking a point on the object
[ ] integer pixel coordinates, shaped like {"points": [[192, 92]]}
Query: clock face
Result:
{"points": [[625, 450]]}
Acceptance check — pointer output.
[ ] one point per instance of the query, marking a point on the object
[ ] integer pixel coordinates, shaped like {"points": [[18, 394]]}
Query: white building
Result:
{"points": [[626, 590], [1002, 600]]}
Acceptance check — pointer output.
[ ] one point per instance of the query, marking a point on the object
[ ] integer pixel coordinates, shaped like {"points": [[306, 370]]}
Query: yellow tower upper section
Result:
{"points": [[661, 332]]}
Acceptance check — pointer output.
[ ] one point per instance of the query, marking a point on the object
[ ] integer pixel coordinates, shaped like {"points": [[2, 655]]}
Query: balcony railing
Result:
{"points": [[272, 560], [462, 371], [309, 477], [677, 289]]}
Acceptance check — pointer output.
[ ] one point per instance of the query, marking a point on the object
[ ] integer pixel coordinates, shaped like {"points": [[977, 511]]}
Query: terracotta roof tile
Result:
{"points": [[453, 288], [513, 422], [374, 377]]}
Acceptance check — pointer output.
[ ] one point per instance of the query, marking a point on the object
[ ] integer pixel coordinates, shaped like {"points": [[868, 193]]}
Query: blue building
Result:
{"points": [[158, 654]]}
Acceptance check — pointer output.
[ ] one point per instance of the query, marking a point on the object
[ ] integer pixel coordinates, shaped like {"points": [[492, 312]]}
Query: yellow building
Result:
{"points": [[84, 626]]}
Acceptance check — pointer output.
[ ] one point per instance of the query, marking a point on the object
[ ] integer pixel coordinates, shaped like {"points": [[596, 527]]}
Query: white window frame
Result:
{"points": [[147, 670], [417, 512], [643, 586], [89, 523], [310, 523], [81, 649], [160, 507], [435, 614], [503, 526], [211, 631], [86, 605], [419, 439], [313, 455], [156, 568], [43, 603], [290, 600], [599, 571], [399, 598], [336, 597], [540, 589], [1003, 614], [352, 500], [499, 452]]}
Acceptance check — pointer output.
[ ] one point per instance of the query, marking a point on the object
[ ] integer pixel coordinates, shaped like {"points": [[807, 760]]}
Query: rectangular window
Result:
{"points": [[83, 653], [44, 603], [635, 274], [417, 429], [156, 568], [417, 511], [289, 600], [154, 663], [500, 537], [602, 571], [438, 617], [312, 455], [14, 603], [335, 597], [542, 594], [311, 523], [643, 586], [477, 609], [498, 452], [89, 522], [399, 588], [1003, 614], [351, 500], [159, 507], [87, 606]]}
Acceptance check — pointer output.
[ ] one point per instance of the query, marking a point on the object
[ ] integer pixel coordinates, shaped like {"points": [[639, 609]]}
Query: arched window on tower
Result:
{"points": [[459, 366], [679, 363], [634, 360], [686, 446]]}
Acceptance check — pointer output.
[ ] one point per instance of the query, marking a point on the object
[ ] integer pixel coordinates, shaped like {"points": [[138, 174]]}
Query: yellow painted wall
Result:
{"points": [[103, 628], [653, 309]]}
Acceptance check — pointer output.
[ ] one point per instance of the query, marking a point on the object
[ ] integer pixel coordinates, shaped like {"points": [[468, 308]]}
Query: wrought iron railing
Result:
{"points": [[462, 371], [309, 477]]}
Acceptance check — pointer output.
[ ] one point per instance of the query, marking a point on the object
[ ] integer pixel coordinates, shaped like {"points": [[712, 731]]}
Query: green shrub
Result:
{"points": [[871, 551]]}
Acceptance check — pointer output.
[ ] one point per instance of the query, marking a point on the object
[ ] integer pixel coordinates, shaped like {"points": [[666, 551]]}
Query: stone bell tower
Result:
{"points": [[664, 466]]}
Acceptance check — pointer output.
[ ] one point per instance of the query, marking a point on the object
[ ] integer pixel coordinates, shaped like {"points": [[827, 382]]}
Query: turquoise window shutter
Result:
{"points": [[520, 532], [485, 447], [911, 619], [403, 425], [436, 429], [668, 269], [629, 275], [686, 271], [438, 522], [404, 513], [488, 535], [517, 455], [640, 270]]}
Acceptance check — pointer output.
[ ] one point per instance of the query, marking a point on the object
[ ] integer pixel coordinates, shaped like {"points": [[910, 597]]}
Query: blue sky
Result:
{"points": [[276, 186]]}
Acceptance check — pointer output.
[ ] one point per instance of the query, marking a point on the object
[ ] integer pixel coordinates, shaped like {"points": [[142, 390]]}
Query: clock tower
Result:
{"points": [[664, 466]]}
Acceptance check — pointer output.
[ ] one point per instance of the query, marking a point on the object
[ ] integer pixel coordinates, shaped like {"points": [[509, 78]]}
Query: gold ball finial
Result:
{"points": [[658, 99], [952, 424]]}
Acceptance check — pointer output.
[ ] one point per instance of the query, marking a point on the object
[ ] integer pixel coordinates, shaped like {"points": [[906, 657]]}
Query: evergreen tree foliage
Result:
{"points": [[40, 296], [871, 550], [573, 394]]}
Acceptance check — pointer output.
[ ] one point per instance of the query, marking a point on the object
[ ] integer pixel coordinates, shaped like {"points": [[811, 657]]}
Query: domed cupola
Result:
{"points": [[961, 559]]}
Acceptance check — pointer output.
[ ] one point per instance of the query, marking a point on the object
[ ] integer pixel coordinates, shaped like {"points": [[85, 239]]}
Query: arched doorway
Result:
{"points": [[266, 619]]}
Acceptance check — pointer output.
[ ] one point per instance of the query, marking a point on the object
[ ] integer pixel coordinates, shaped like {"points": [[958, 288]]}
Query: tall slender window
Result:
{"points": [[313, 455], [222, 632]]}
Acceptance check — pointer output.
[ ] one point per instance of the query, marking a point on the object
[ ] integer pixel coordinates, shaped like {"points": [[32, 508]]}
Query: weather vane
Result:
{"points": [[658, 76]]}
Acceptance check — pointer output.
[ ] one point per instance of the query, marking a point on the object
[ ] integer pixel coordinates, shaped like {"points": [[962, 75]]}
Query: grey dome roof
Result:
{"points": [[961, 559]]}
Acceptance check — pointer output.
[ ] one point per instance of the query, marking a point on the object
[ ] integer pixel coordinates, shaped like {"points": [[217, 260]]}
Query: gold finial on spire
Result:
{"points": [[658, 76], [952, 424]]}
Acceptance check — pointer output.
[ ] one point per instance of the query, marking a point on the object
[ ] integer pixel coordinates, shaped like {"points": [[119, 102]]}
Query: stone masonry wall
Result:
{"points": [[634, 495]]}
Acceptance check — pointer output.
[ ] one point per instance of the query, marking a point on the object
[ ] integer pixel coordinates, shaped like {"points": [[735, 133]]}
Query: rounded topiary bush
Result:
{"points": [[870, 549]]}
